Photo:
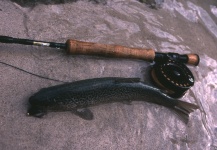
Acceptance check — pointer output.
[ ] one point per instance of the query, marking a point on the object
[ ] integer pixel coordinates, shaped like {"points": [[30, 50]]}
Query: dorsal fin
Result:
{"points": [[127, 80]]}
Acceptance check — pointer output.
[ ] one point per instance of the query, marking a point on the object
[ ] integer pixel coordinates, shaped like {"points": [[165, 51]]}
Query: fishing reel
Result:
{"points": [[172, 75]]}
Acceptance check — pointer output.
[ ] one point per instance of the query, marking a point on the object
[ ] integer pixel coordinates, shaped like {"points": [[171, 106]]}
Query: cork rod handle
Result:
{"points": [[88, 48]]}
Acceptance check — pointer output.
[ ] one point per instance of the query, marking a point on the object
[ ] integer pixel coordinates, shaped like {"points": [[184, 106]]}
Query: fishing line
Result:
{"points": [[39, 76]]}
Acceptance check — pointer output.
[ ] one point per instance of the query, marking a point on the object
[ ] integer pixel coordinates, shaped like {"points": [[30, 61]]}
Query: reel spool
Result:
{"points": [[172, 76]]}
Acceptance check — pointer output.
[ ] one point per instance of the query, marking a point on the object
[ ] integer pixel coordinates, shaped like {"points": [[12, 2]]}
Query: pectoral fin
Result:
{"points": [[84, 113]]}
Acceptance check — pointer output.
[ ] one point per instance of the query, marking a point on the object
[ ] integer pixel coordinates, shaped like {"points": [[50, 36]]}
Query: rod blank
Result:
{"points": [[7, 39]]}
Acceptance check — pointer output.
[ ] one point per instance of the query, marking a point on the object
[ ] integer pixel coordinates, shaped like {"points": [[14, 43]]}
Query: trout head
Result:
{"points": [[37, 105], [36, 111]]}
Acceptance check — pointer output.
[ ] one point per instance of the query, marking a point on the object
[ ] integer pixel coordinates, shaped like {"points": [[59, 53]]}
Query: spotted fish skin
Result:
{"points": [[85, 93]]}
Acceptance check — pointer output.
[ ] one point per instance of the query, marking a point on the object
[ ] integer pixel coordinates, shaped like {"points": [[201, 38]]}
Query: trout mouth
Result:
{"points": [[36, 111]]}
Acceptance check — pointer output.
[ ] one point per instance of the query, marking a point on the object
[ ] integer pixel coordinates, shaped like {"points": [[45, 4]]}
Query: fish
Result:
{"points": [[78, 96]]}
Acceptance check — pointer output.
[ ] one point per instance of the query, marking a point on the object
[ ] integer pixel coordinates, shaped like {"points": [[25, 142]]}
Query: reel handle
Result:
{"points": [[88, 48]]}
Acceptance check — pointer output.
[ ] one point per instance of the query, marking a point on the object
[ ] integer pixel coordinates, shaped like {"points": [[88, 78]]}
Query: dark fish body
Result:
{"points": [[85, 93]]}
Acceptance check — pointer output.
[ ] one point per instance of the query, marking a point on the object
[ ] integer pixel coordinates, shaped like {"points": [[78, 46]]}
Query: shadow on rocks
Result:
{"points": [[32, 3], [154, 4]]}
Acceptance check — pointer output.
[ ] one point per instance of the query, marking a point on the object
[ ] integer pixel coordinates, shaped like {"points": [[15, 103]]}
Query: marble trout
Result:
{"points": [[78, 96]]}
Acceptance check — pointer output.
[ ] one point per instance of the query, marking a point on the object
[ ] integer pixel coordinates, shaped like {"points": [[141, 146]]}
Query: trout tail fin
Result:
{"points": [[183, 109]]}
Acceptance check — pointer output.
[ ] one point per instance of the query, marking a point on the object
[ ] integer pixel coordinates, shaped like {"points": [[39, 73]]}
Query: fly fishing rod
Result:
{"points": [[169, 71], [88, 48]]}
